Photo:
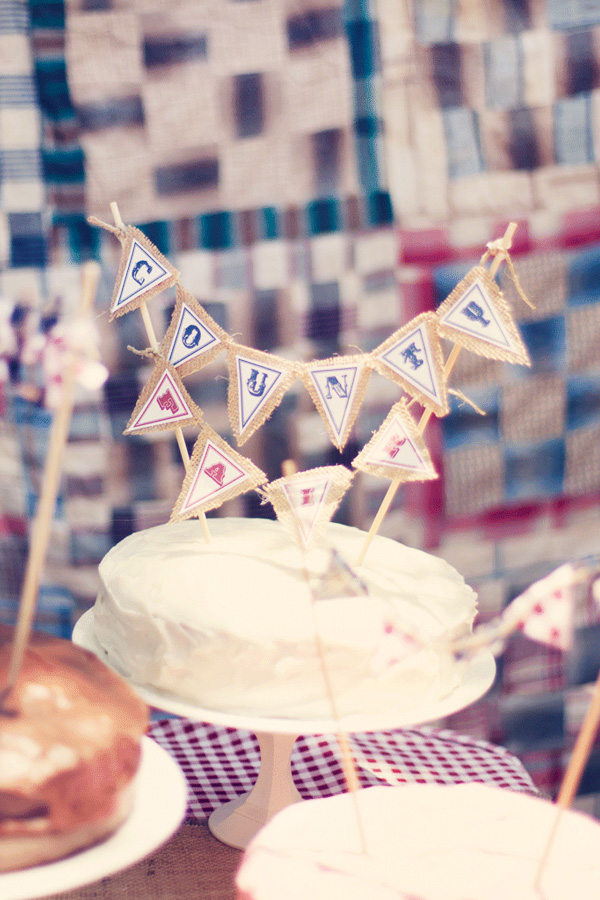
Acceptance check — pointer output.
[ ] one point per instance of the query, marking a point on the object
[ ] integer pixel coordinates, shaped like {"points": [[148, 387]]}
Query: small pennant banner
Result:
{"points": [[545, 611], [412, 357], [257, 383], [337, 387], [143, 272], [216, 473], [193, 338], [163, 404], [397, 450], [476, 316], [305, 501]]}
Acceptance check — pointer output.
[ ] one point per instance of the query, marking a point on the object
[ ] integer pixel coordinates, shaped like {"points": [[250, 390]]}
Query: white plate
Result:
{"points": [[159, 807], [477, 678]]}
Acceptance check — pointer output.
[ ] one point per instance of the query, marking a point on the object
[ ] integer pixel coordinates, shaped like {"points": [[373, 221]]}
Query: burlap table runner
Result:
{"points": [[192, 864]]}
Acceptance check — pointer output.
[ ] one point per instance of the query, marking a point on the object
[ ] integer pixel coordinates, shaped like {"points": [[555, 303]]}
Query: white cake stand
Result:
{"points": [[235, 823]]}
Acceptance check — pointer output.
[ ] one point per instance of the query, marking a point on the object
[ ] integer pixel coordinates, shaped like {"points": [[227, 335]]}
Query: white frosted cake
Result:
{"points": [[423, 842], [230, 624]]}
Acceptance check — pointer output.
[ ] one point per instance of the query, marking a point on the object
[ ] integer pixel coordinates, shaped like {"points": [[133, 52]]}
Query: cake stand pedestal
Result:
{"points": [[236, 822]]}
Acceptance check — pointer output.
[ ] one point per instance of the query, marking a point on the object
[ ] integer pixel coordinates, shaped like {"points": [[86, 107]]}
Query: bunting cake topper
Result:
{"points": [[164, 403], [477, 317], [337, 387], [306, 501], [397, 450], [216, 473], [412, 357], [143, 271], [193, 338], [257, 383]]}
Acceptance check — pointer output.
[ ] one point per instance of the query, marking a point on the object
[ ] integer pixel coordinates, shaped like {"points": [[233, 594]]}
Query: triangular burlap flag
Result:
{"points": [[216, 473], [257, 383], [412, 357], [193, 338], [397, 450], [337, 387], [305, 501], [476, 316], [143, 272], [163, 404]]}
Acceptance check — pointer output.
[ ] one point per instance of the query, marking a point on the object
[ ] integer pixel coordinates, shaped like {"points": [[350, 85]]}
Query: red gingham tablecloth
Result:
{"points": [[220, 763]]}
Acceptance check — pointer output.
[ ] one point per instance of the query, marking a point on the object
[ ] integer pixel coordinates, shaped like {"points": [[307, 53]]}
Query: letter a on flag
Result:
{"points": [[397, 451], [412, 357], [337, 387], [257, 383], [163, 404], [476, 316], [216, 473], [193, 338], [143, 272], [305, 501]]}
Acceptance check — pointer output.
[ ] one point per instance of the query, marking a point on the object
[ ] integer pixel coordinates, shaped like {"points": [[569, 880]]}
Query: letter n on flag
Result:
{"points": [[216, 473]]}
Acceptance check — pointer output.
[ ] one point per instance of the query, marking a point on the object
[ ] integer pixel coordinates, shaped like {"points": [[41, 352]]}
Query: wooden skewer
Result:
{"points": [[40, 533], [573, 773], [152, 340], [450, 363]]}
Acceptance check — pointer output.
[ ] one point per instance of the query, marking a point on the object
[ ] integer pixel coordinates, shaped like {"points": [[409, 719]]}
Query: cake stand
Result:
{"points": [[235, 823]]}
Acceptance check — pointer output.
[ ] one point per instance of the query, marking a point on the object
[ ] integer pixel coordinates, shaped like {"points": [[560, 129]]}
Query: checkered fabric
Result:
{"points": [[22, 196], [222, 763], [489, 108]]}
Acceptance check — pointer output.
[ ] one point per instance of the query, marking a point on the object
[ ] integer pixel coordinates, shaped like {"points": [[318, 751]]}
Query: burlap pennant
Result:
{"points": [[164, 403], [257, 383], [193, 338], [306, 501], [337, 387], [412, 357], [216, 473], [143, 272], [397, 450], [477, 317]]}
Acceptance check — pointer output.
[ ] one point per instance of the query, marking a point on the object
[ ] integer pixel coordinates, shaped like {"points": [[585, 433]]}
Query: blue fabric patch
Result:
{"points": [[534, 470]]}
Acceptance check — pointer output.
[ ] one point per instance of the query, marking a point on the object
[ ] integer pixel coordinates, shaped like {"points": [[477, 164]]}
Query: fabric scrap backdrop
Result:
{"points": [[319, 172]]}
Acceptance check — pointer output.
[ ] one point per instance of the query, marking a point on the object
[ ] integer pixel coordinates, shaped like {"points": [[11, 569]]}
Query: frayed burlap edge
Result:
{"points": [[254, 476], [397, 473], [195, 416], [289, 374], [126, 236], [340, 480], [198, 362], [479, 345], [337, 362], [430, 322]]}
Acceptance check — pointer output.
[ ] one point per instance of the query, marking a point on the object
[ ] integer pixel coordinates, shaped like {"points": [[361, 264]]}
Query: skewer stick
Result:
{"points": [[40, 533], [152, 340], [506, 242], [574, 771]]}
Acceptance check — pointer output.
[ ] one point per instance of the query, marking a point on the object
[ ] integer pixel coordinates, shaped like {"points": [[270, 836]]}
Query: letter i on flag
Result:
{"points": [[163, 404], [193, 338], [306, 501], [477, 317], [412, 357], [337, 387], [257, 383], [216, 474], [397, 450], [143, 272]]}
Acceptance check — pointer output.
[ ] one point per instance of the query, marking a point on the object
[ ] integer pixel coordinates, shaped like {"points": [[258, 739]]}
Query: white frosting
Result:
{"points": [[423, 842], [230, 624]]}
